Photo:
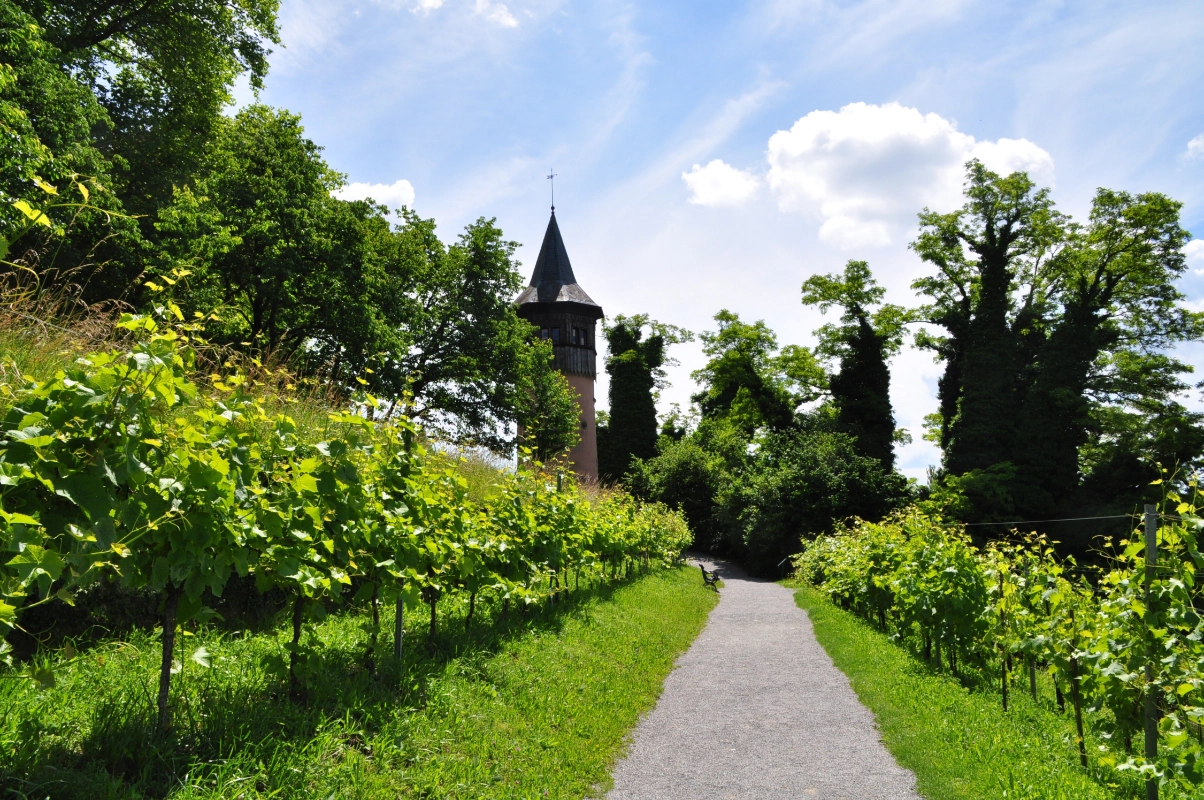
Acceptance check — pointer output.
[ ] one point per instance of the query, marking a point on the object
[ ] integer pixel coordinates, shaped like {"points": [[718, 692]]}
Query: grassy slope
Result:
{"points": [[535, 707], [959, 743]]}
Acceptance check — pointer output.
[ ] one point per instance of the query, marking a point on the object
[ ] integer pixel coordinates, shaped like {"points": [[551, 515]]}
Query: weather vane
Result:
{"points": [[551, 176]]}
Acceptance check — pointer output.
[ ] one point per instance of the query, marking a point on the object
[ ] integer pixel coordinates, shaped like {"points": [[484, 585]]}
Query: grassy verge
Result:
{"points": [[525, 707], [958, 742]]}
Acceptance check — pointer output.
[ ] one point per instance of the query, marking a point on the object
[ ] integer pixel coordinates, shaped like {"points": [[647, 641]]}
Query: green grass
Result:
{"points": [[959, 742], [535, 706]]}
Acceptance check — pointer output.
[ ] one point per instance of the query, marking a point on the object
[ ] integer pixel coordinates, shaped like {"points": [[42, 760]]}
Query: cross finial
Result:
{"points": [[551, 177]]}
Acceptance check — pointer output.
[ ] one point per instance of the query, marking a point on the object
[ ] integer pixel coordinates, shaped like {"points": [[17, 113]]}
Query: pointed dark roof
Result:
{"points": [[553, 280]]}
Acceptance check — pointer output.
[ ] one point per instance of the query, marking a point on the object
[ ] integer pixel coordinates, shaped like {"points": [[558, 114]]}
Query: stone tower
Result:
{"points": [[564, 313]]}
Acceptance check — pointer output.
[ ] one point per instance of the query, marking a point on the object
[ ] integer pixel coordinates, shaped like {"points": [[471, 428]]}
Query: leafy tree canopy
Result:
{"points": [[456, 347], [162, 70], [264, 238], [547, 405], [746, 379], [48, 120]]}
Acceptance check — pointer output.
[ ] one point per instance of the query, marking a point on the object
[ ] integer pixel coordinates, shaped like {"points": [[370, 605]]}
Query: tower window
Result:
{"points": [[579, 337], [550, 333]]}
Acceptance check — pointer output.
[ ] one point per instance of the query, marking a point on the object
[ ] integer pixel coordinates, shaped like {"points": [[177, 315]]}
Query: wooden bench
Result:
{"points": [[709, 578]]}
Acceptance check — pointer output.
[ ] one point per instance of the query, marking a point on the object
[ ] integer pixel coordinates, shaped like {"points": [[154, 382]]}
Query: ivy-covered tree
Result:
{"points": [[1002, 235], [868, 335], [1117, 311], [1055, 345], [635, 365]]}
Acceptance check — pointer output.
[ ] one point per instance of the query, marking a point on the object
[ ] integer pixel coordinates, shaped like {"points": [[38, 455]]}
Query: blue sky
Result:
{"points": [[713, 155]]}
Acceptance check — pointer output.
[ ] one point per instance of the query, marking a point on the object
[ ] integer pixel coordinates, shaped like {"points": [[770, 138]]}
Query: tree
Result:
{"points": [[162, 70], [862, 343], [1006, 228], [1056, 344], [330, 283], [798, 484], [456, 349], [746, 381], [1116, 296], [49, 120], [636, 369], [288, 264], [548, 414]]}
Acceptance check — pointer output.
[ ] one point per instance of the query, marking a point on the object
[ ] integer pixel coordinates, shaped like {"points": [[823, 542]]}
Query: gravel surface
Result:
{"points": [[756, 709]]}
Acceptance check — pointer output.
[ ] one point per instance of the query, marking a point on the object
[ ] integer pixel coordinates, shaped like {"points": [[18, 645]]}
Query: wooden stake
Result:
{"points": [[1151, 698]]}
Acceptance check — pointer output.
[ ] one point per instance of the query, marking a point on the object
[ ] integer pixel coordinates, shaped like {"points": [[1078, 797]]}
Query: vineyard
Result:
{"points": [[1125, 642], [128, 468]]}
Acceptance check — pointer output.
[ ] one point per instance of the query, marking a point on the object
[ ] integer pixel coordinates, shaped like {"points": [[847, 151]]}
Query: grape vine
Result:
{"points": [[126, 468], [1128, 639]]}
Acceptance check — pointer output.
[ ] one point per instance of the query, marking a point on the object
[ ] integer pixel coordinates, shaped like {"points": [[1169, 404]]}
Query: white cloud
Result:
{"points": [[1195, 148], [427, 6], [1015, 155], [496, 12], [1194, 250], [311, 28], [719, 184], [393, 195], [866, 170]]}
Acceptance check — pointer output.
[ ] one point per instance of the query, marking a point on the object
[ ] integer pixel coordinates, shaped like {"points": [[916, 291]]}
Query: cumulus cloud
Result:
{"points": [[1194, 250], [496, 12], [393, 195], [1195, 148], [427, 6], [719, 184], [865, 170]]}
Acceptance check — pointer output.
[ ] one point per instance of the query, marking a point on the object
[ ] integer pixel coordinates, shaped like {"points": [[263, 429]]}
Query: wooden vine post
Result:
{"points": [[1003, 659], [1151, 698], [1076, 697], [170, 605], [399, 624], [399, 618]]}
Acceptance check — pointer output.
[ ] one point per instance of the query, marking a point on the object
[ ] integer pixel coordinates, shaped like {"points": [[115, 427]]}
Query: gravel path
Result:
{"points": [[756, 709]]}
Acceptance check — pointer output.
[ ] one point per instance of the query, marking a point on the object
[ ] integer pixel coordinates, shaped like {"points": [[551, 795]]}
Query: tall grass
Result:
{"points": [[43, 330]]}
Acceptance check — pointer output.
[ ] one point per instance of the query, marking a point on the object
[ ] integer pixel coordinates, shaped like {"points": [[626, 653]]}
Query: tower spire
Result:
{"points": [[564, 315], [552, 178]]}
